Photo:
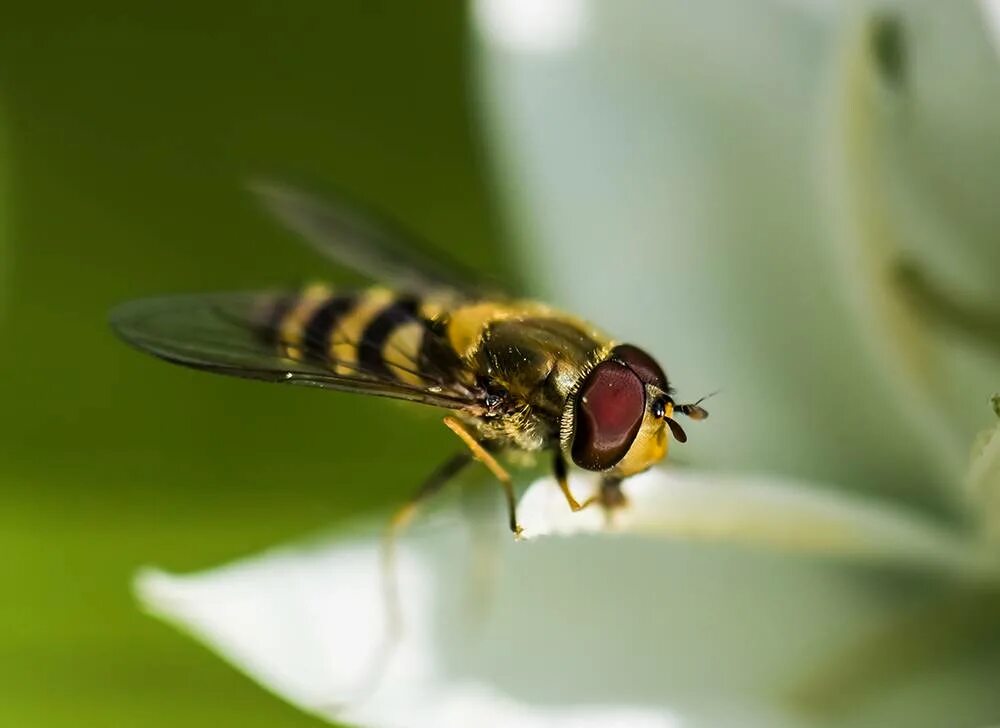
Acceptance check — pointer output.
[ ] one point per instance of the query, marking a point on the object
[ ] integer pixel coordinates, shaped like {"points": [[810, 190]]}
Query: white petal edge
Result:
{"points": [[243, 612], [765, 511]]}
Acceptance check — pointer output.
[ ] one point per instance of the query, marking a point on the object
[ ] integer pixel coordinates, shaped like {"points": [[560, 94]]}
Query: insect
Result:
{"points": [[512, 374]]}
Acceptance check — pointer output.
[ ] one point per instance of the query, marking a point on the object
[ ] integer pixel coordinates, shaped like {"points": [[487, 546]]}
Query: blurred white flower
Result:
{"points": [[738, 185], [630, 629], [792, 201], [532, 26]]}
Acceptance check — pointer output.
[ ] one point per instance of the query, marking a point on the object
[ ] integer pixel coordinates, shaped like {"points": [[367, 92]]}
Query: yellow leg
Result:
{"points": [[559, 469], [480, 454]]}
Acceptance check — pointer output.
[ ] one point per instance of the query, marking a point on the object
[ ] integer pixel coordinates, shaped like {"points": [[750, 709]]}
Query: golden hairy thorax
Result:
{"points": [[532, 352]]}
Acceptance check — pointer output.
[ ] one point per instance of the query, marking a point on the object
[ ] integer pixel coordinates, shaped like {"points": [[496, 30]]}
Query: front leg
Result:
{"points": [[480, 454], [610, 495], [562, 478]]}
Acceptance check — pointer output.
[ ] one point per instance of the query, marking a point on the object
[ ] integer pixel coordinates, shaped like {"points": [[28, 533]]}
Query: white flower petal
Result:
{"points": [[532, 26], [939, 141], [911, 155], [662, 173], [763, 511], [575, 631], [316, 662], [991, 14], [307, 624]]}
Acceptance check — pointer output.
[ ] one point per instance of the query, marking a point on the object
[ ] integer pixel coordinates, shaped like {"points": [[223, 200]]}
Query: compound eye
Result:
{"points": [[609, 410], [642, 364]]}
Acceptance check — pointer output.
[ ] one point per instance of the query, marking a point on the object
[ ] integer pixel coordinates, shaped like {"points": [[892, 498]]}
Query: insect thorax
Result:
{"points": [[535, 363]]}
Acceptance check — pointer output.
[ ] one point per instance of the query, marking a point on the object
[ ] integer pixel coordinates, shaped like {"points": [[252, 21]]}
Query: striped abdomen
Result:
{"points": [[374, 331]]}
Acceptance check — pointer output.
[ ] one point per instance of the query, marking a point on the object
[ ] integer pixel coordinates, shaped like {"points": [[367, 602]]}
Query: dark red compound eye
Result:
{"points": [[642, 364], [609, 410]]}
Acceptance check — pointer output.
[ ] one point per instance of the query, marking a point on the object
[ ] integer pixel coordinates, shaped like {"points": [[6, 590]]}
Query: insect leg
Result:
{"points": [[559, 470], [400, 519], [610, 496], [480, 454], [434, 482]]}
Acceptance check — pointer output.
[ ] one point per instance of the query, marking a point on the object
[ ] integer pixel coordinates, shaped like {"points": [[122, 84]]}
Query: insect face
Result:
{"points": [[610, 411], [621, 414]]}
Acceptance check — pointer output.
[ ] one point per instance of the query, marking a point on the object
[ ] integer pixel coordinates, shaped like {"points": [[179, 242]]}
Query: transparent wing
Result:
{"points": [[367, 243], [229, 333]]}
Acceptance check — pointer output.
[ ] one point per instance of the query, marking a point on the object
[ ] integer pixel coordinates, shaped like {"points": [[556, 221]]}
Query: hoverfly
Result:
{"points": [[512, 374]]}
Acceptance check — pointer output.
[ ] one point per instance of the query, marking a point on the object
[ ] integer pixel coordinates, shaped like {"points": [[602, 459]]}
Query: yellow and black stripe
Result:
{"points": [[373, 332]]}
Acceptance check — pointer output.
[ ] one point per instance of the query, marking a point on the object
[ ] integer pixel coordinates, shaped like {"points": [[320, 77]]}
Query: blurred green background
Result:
{"points": [[126, 131]]}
